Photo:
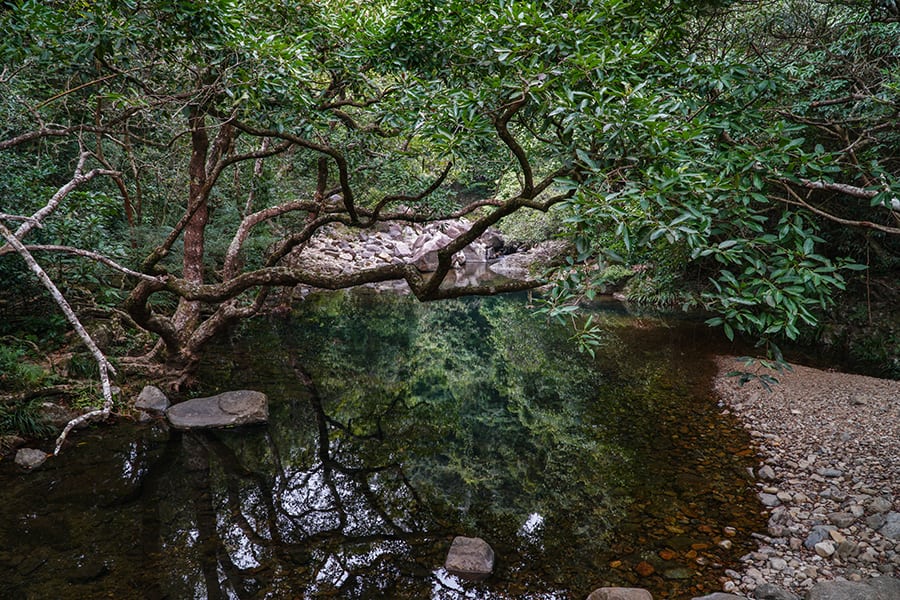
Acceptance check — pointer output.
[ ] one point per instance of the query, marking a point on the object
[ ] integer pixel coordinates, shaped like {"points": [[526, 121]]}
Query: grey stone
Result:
{"points": [[719, 596], [678, 573], [56, 415], [470, 558], [841, 519], [880, 505], [152, 400], [766, 473], [828, 472], [30, 458], [229, 409], [818, 534], [825, 549], [767, 591], [769, 499], [618, 593], [891, 530], [888, 587], [847, 549], [875, 521]]}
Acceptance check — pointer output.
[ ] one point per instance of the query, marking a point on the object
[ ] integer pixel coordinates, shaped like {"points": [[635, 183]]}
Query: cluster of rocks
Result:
{"points": [[228, 409]]}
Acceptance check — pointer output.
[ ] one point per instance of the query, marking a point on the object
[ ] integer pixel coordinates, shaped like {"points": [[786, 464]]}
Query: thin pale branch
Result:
{"points": [[86, 254], [105, 367]]}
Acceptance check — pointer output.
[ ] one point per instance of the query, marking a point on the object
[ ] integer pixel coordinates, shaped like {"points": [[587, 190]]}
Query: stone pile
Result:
{"points": [[340, 250]]}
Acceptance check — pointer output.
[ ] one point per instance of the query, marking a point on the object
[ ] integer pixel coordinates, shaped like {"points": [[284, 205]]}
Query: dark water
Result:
{"points": [[394, 427]]}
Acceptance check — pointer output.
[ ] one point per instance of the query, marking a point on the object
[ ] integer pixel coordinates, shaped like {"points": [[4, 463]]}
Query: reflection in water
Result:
{"points": [[394, 427]]}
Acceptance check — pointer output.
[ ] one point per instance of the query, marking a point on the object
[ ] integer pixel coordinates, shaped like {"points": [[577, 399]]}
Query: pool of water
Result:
{"points": [[395, 426]]}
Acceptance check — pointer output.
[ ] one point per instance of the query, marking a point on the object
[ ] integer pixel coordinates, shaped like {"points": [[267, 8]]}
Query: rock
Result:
{"points": [[819, 533], [831, 473], [30, 458], [767, 591], [644, 569], [769, 499], [888, 587], [876, 521], [825, 549], [425, 257], [242, 407], [678, 573], [56, 415], [719, 596], [618, 593], [879, 588], [151, 400], [470, 558], [880, 505], [891, 528]]}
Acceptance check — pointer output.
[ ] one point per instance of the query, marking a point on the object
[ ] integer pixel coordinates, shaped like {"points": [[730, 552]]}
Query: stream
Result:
{"points": [[395, 426]]}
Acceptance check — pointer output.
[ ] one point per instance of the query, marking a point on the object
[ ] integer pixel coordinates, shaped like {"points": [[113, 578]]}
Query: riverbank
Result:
{"points": [[829, 476]]}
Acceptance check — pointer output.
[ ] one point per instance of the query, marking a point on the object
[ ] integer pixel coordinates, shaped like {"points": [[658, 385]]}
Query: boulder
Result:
{"points": [[618, 593], [55, 415], [229, 409], [878, 588], [470, 558], [152, 400], [425, 257], [30, 458]]}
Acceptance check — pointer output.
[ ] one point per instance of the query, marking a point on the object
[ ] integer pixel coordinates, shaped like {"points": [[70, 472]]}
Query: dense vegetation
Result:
{"points": [[164, 160]]}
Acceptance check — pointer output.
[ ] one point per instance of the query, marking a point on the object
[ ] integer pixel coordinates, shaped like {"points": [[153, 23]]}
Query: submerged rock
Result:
{"points": [[30, 458], [229, 409], [470, 558], [618, 593]]}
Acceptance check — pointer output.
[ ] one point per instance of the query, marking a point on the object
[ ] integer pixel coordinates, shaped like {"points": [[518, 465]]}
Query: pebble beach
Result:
{"points": [[828, 477]]}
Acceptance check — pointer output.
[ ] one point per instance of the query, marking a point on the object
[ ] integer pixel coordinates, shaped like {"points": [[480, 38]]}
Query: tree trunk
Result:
{"points": [[188, 313]]}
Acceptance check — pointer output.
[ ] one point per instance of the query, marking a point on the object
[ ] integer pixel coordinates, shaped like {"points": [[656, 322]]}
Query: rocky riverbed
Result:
{"points": [[829, 477]]}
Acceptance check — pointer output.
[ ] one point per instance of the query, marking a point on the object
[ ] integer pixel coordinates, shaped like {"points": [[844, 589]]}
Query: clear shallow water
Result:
{"points": [[394, 427]]}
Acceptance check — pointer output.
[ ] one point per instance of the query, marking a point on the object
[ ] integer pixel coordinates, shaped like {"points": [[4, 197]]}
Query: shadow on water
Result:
{"points": [[395, 426]]}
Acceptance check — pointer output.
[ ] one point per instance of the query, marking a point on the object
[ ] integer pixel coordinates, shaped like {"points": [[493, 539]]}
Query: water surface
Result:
{"points": [[394, 427]]}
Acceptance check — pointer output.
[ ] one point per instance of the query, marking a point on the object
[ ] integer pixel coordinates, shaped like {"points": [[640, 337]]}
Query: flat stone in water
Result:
{"points": [[618, 593], [470, 558], [229, 409]]}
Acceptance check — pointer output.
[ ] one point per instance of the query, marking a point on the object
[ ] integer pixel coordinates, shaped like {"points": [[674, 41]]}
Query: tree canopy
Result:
{"points": [[195, 148]]}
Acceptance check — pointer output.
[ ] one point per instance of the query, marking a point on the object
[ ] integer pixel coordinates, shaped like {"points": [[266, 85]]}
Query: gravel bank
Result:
{"points": [[829, 476]]}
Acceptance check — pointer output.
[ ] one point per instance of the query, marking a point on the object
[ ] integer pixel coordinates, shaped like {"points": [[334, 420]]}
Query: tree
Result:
{"points": [[228, 84], [779, 121]]}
